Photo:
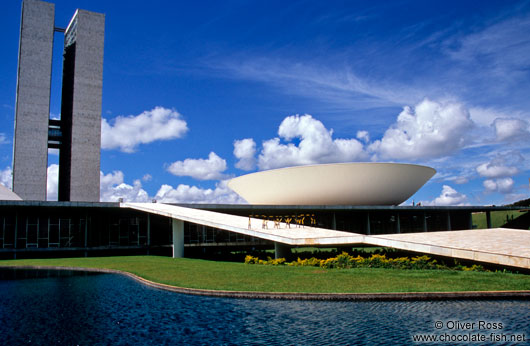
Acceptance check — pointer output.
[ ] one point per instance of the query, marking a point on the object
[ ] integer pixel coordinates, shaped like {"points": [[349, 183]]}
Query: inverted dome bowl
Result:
{"points": [[333, 184]]}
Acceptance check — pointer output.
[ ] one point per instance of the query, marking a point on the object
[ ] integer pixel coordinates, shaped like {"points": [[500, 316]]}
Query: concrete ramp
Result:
{"points": [[290, 235], [501, 246]]}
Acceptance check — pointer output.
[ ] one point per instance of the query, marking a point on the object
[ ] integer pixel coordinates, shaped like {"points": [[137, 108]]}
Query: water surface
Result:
{"points": [[76, 308]]}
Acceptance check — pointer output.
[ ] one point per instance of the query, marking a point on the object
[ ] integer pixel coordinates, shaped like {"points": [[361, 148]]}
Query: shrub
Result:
{"points": [[251, 260], [347, 261]]}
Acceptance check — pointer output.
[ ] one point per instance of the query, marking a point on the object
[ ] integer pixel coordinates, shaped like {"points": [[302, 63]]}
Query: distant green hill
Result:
{"points": [[519, 219], [522, 203]]}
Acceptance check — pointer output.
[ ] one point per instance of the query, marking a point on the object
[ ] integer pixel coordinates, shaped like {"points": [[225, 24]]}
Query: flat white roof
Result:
{"points": [[498, 246], [8, 195]]}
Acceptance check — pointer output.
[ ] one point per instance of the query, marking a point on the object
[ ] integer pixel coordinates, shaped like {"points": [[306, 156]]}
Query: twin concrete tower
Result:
{"points": [[77, 134]]}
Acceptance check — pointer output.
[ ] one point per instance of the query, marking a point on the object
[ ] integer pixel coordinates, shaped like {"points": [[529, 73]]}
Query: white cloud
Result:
{"points": [[147, 177], [495, 170], [3, 139], [484, 116], [339, 85], [511, 129], [490, 185], [514, 197], [52, 183], [201, 169], [112, 188], [127, 132], [449, 196], [316, 145], [244, 151], [429, 130], [6, 177], [459, 180], [501, 47], [502, 185], [363, 136], [192, 194], [107, 180]]}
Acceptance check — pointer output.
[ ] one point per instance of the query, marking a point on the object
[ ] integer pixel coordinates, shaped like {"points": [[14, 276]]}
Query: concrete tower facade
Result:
{"points": [[77, 134], [32, 108], [79, 158]]}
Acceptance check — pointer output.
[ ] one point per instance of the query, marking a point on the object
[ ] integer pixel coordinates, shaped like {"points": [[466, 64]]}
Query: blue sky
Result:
{"points": [[195, 93]]}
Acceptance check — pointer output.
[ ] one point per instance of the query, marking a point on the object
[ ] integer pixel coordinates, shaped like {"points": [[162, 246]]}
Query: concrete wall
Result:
{"points": [[81, 109], [30, 153]]}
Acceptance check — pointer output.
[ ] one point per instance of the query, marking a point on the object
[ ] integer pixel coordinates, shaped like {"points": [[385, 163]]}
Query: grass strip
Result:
{"points": [[196, 273], [498, 218]]}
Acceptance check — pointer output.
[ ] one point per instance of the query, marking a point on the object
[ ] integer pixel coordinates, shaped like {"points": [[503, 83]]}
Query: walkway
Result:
{"points": [[502, 246], [499, 246], [240, 224]]}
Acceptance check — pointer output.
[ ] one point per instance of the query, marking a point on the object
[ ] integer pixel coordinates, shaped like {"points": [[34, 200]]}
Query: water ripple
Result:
{"points": [[88, 309]]}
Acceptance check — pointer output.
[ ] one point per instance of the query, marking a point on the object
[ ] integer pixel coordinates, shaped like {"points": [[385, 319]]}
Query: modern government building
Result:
{"points": [[361, 198]]}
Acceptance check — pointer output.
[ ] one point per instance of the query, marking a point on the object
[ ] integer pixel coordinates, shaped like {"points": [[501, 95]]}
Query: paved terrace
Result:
{"points": [[499, 246]]}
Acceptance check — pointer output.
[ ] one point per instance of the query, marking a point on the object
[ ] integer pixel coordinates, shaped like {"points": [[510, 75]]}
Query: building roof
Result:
{"points": [[8, 195]]}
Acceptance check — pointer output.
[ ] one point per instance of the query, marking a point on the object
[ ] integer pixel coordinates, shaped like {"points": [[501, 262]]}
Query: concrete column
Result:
{"points": [[148, 233], [86, 235], [334, 222], [178, 238], [368, 223], [86, 230], [424, 222], [448, 221], [488, 219], [16, 233], [282, 251], [398, 224]]}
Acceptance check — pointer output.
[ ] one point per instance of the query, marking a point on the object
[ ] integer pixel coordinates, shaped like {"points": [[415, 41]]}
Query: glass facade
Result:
{"points": [[27, 227]]}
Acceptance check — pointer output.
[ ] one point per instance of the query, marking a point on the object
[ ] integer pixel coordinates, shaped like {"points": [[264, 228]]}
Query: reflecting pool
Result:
{"points": [[76, 308]]}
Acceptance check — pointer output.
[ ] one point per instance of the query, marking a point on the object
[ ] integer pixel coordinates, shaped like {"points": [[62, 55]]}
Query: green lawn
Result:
{"points": [[498, 218], [194, 273]]}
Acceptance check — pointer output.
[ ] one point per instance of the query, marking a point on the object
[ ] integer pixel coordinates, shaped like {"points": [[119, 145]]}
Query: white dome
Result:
{"points": [[8, 195], [333, 184]]}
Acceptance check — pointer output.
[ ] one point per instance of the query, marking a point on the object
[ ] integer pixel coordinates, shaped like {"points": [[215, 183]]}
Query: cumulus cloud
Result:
{"points": [[192, 194], [244, 151], [429, 130], [495, 170], [363, 136], [316, 145], [449, 196], [52, 183], [112, 188], [502, 185], [484, 116], [6, 177], [201, 169], [511, 129], [127, 132]]}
